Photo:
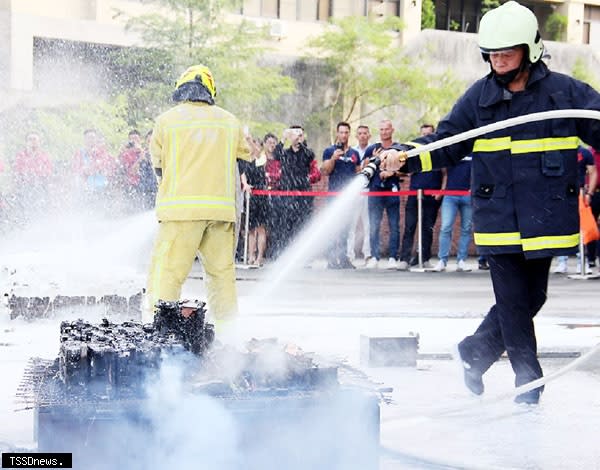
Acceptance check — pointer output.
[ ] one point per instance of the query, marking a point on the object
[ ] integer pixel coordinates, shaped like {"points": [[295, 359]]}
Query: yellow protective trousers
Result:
{"points": [[176, 246]]}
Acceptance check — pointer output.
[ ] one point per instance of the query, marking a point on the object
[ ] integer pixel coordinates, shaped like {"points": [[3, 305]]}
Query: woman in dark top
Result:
{"points": [[253, 177]]}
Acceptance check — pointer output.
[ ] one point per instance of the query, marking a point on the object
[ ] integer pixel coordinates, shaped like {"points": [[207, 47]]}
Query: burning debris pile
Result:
{"points": [[266, 366], [109, 361], [112, 361], [105, 381]]}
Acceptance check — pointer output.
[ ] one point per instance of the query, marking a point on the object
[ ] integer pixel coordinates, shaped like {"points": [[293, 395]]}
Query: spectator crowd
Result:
{"points": [[124, 182], [34, 183]]}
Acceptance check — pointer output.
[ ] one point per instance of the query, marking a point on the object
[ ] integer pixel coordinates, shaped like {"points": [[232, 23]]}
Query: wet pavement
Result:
{"points": [[431, 421]]}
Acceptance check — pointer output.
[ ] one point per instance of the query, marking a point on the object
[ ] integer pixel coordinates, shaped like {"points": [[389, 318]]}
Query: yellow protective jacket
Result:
{"points": [[196, 146]]}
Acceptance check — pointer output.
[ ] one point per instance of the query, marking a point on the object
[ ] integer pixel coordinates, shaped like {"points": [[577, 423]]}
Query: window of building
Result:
{"points": [[307, 10], [591, 22], [457, 15], [385, 7], [269, 8], [393, 7], [324, 9]]}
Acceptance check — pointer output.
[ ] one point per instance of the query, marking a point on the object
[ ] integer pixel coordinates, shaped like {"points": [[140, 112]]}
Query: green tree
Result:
{"points": [[487, 5], [62, 127], [454, 25], [427, 14], [188, 32], [370, 75], [583, 73], [555, 26]]}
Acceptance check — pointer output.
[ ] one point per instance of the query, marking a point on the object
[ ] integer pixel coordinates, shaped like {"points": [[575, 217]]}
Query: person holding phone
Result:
{"points": [[296, 161], [340, 163]]}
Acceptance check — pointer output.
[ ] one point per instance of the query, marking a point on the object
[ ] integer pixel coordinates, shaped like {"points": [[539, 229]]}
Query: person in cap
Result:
{"points": [[194, 148], [524, 185]]}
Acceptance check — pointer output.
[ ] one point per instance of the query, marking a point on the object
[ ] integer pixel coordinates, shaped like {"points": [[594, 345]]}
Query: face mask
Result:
{"points": [[505, 78]]}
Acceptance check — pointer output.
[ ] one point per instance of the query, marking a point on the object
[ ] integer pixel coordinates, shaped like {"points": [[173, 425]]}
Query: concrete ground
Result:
{"points": [[431, 421]]}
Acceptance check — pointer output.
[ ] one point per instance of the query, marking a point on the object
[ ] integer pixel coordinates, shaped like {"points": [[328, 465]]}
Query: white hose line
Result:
{"points": [[555, 114], [409, 420], [580, 361], [421, 461], [459, 410]]}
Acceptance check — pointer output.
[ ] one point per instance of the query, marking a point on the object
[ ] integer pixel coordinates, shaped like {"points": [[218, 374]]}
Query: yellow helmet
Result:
{"points": [[510, 25], [199, 73]]}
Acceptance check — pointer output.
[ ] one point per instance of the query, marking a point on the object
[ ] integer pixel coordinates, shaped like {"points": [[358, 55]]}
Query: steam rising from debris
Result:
{"points": [[191, 431], [176, 409], [188, 430]]}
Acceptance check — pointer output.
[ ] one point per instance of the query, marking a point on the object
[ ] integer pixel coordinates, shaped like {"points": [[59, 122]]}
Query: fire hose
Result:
{"points": [[577, 363], [370, 169]]}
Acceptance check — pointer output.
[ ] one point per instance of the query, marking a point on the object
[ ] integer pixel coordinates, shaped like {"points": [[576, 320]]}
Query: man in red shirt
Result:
{"points": [[32, 171], [94, 165], [129, 162]]}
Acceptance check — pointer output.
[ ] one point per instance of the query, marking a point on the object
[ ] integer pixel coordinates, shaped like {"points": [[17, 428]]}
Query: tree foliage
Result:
{"points": [[372, 77], [427, 14], [555, 26], [487, 5], [61, 128], [583, 73], [189, 32]]}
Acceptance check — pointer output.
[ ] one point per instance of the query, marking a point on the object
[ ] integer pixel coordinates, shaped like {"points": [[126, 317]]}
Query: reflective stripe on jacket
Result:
{"points": [[524, 178], [196, 146]]}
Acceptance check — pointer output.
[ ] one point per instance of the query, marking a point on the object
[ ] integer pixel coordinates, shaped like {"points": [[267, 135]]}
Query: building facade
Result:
{"points": [[291, 23], [582, 17]]}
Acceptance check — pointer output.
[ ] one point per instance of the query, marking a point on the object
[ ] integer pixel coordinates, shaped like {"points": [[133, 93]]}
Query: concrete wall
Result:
{"points": [[410, 12], [459, 52], [574, 12]]}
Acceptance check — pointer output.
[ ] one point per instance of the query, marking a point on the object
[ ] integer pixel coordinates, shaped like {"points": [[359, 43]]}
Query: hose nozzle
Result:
{"points": [[369, 170]]}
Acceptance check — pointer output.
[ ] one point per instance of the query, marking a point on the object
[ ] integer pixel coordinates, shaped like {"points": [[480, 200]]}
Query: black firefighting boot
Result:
{"points": [[472, 376]]}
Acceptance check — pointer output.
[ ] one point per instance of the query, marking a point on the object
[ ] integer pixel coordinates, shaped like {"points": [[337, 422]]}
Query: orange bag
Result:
{"points": [[587, 223]]}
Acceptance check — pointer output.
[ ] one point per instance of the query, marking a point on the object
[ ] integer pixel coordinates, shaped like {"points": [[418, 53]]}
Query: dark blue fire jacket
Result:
{"points": [[524, 178]]}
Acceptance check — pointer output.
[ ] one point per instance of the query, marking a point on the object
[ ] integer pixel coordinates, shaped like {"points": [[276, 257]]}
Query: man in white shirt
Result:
{"points": [[363, 135]]}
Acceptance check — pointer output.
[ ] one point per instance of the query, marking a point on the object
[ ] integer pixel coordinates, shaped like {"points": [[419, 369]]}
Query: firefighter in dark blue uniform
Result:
{"points": [[524, 185]]}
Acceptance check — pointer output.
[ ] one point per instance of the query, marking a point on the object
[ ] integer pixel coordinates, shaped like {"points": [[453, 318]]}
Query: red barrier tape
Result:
{"points": [[426, 192], [446, 192]]}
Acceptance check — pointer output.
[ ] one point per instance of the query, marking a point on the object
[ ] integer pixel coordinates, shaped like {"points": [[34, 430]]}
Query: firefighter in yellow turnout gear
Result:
{"points": [[194, 150]]}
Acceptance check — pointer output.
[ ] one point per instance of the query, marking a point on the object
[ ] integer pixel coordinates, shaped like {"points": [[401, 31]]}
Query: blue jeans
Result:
{"points": [[377, 204], [451, 205]]}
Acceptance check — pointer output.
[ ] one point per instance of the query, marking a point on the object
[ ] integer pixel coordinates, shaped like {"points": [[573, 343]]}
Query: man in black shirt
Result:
{"points": [[295, 170]]}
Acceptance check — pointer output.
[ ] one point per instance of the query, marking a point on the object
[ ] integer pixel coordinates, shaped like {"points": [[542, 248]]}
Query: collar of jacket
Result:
{"points": [[493, 93], [193, 91]]}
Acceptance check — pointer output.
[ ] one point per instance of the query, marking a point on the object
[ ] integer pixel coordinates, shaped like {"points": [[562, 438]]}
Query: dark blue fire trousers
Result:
{"points": [[520, 287]]}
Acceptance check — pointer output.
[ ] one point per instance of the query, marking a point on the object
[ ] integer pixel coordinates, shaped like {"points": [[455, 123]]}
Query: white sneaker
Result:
{"points": [[462, 267], [440, 266], [392, 264], [371, 263], [561, 268], [588, 270], [402, 266], [427, 265]]}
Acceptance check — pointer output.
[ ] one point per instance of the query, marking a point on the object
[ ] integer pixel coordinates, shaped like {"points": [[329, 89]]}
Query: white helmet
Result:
{"points": [[507, 26]]}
